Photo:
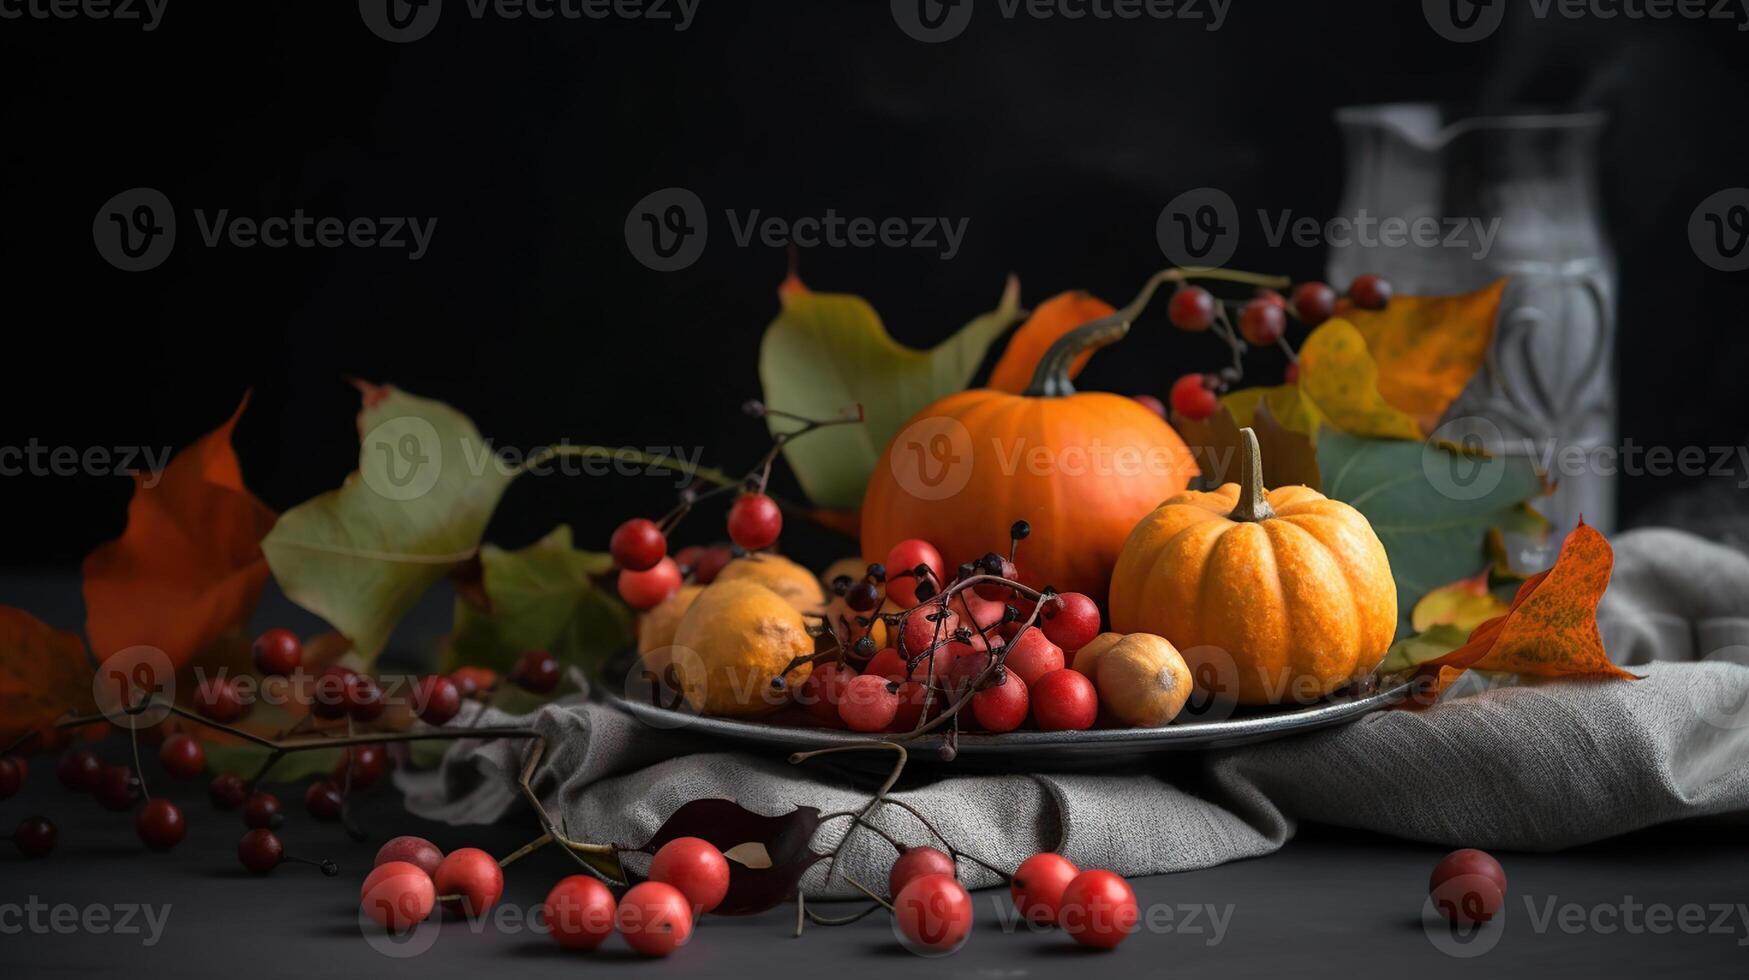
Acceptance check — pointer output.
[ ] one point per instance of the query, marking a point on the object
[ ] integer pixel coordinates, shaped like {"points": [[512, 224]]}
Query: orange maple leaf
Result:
{"points": [[189, 566], [44, 674], [1550, 630], [1428, 347], [1054, 318]]}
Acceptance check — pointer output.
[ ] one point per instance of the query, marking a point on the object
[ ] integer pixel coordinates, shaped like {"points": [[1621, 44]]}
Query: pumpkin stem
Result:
{"points": [[1051, 379], [1253, 505]]}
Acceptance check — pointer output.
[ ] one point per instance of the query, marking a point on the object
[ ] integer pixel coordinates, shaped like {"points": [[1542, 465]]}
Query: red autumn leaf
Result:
{"points": [[189, 565], [1550, 630], [44, 674]]}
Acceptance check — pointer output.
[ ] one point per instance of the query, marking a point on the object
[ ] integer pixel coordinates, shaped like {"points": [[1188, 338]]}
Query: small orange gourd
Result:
{"points": [[1081, 467], [1277, 596]]}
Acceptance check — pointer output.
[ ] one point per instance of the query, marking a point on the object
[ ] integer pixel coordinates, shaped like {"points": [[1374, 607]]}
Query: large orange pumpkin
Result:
{"points": [[1282, 595], [1082, 468]]}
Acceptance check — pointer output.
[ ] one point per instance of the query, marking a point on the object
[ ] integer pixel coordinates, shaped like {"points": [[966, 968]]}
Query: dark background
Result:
{"points": [[530, 140]]}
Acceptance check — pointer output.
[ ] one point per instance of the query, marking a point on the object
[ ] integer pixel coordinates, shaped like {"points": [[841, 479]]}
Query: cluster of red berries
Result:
{"points": [[948, 638], [1262, 322], [648, 576], [933, 911], [688, 877]]}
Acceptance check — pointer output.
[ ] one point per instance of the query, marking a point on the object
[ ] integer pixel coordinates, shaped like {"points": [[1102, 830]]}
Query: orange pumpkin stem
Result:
{"points": [[1253, 505]]}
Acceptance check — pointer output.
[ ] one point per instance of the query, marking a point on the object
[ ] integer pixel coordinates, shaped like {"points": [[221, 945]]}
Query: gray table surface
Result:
{"points": [[1668, 902]]}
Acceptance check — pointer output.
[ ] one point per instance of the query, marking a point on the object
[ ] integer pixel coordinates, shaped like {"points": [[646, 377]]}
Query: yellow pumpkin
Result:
{"points": [[1080, 467], [1283, 595]]}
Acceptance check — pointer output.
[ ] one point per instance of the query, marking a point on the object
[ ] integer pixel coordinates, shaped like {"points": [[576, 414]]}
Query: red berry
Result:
{"points": [[1038, 886], [182, 756], [638, 544], [473, 875], [902, 560], [413, 850], [1192, 397], [360, 766], [118, 789], [697, 868], [823, 691], [579, 910], [80, 770], [1151, 403], [1064, 701], [1071, 622], [11, 777], [35, 836], [1262, 323], [1314, 303], [322, 800], [217, 698], [711, 562], [648, 589], [227, 791], [888, 664], [537, 672], [260, 851], [364, 699], [1002, 707], [755, 521], [925, 627], [261, 810], [331, 696], [912, 696], [160, 824], [1370, 292], [1273, 298], [654, 918], [867, 705], [1191, 308], [914, 863], [1098, 909], [934, 913], [397, 896], [470, 681], [1031, 656], [439, 699], [277, 653], [1468, 886], [979, 611], [994, 564], [1292, 374]]}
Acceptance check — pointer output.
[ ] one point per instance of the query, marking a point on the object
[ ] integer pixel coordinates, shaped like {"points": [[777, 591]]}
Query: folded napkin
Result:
{"points": [[1528, 766]]}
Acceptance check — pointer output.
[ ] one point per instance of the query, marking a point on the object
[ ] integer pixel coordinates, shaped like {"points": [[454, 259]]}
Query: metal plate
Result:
{"points": [[1033, 750]]}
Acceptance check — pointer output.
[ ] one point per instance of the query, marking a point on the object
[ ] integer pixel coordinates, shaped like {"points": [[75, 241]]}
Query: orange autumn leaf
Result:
{"points": [[1054, 318], [1550, 630], [44, 674], [189, 566], [1428, 347]]}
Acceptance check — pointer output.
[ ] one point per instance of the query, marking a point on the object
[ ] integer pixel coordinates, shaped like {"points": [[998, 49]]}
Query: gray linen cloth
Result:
{"points": [[1529, 765]]}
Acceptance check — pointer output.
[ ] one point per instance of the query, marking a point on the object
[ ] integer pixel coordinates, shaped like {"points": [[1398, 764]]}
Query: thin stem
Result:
{"points": [[139, 771], [525, 850]]}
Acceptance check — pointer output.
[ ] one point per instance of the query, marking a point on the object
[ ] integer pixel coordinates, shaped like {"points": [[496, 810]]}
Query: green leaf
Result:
{"points": [[1413, 651], [826, 352], [361, 556], [543, 597], [246, 758], [1432, 506]]}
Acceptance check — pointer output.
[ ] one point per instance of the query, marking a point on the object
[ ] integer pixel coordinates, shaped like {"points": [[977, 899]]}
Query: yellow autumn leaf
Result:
{"points": [[1428, 347], [1340, 377], [1466, 604], [1287, 405]]}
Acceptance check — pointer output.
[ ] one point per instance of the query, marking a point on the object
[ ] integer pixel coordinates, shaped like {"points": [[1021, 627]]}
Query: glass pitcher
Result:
{"points": [[1511, 196]]}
